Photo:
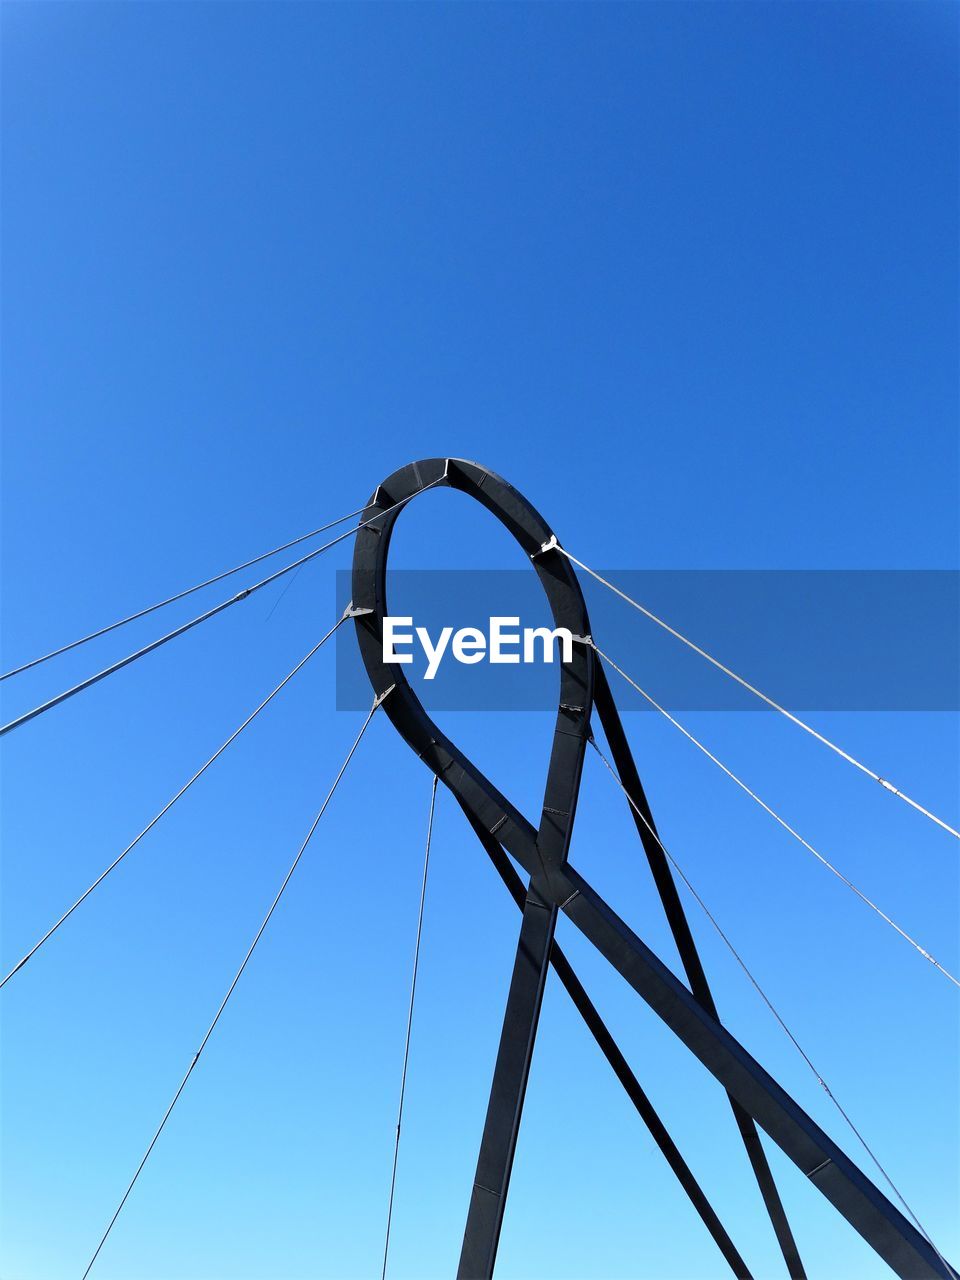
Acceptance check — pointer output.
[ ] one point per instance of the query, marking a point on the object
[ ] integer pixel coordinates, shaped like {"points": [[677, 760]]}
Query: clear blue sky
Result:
{"points": [[686, 274]]}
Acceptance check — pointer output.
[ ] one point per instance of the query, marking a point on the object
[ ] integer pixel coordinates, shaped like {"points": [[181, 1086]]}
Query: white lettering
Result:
{"points": [[434, 652], [498, 638], [392, 637], [470, 645], [532, 634]]}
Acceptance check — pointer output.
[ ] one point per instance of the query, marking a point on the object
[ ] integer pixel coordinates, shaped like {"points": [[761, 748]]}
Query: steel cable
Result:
{"points": [[232, 987], [170, 803], [203, 617], [770, 1005], [775, 706], [406, 1042], [180, 595], [782, 821]]}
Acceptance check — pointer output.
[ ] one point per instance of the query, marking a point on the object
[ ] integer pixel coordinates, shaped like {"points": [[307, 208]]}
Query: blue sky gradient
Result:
{"points": [[686, 275]]}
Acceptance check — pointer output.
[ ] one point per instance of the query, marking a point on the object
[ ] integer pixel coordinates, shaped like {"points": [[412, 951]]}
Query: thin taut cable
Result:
{"points": [[406, 1043], [770, 1005], [844, 755], [187, 626], [776, 817], [170, 803], [233, 984], [180, 595]]}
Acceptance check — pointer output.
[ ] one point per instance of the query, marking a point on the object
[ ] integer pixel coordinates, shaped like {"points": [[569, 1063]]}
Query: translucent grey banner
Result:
{"points": [[812, 639]]}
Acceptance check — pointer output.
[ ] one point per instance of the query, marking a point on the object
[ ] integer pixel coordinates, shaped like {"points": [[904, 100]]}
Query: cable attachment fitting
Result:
{"points": [[382, 697], [551, 545], [354, 611], [587, 640]]}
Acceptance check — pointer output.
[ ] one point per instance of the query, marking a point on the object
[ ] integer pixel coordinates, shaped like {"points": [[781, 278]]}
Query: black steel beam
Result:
{"points": [[689, 956], [816, 1155], [488, 1197], [621, 1068]]}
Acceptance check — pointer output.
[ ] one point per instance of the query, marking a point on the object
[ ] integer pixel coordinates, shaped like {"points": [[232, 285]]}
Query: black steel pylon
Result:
{"points": [[555, 886]]}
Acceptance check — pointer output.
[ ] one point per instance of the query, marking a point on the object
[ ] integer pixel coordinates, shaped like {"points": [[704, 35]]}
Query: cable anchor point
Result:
{"points": [[382, 697], [550, 545]]}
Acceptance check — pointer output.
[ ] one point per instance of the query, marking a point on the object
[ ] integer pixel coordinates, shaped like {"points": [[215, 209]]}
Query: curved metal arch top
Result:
{"points": [[536, 850]]}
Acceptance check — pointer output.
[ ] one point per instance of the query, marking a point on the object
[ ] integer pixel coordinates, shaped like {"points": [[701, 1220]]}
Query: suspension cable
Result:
{"points": [[406, 1042], [233, 984], [769, 1003], [210, 613], [845, 755], [170, 803], [180, 595], [773, 814]]}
